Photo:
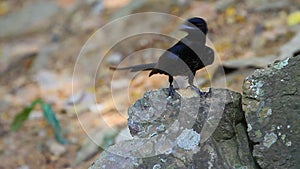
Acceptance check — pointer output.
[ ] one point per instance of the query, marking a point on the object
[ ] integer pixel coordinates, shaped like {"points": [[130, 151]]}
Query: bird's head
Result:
{"points": [[194, 24]]}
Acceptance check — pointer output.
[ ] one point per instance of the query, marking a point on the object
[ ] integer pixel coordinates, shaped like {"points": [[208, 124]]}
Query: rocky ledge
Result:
{"points": [[271, 101], [223, 130]]}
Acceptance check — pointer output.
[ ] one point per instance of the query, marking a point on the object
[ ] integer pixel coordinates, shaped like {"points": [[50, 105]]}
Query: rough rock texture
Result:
{"points": [[271, 102], [185, 131]]}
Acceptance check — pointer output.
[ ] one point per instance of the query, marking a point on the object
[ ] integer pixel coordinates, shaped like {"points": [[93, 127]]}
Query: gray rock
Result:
{"points": [[271, 102], [186, 131], [116, 157], [188, 139]]}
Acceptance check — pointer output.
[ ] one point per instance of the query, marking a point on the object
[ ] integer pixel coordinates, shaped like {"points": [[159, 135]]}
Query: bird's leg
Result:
{"points": [[171, 88], [191, 83]]}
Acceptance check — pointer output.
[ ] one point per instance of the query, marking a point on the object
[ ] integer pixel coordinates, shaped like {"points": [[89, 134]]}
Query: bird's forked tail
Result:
{"points": [[136, 68]]}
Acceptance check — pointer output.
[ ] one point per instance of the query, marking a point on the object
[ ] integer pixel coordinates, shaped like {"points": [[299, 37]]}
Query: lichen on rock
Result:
{"points": [[184, 132], [188, 131], [270, 104]]}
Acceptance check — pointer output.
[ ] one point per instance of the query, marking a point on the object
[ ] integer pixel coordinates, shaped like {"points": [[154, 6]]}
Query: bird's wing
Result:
{"points": [[178, 49], [170, 62], [172, 54], [210, 55]]}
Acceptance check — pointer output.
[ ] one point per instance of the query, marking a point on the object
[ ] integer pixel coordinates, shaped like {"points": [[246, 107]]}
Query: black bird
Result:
{"points": [[184, 58]]}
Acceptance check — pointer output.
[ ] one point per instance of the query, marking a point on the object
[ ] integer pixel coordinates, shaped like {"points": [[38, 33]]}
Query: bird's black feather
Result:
{"points": [[185, 57]]}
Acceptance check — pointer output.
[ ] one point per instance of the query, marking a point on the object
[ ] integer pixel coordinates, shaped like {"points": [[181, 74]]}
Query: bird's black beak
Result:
{"points": [[187, 28]]}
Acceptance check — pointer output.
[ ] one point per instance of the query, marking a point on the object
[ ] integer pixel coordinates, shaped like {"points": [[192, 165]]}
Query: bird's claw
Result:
{"points": [[205, 94], [201, 94], [171, 90]]}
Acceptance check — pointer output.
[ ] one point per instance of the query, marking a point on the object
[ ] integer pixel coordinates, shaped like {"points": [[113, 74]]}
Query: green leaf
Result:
{"points": [[52, 120], [22, 116]]}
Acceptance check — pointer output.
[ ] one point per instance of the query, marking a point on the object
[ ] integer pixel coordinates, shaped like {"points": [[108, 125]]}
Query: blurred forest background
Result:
{"points": [[40, 41]]}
